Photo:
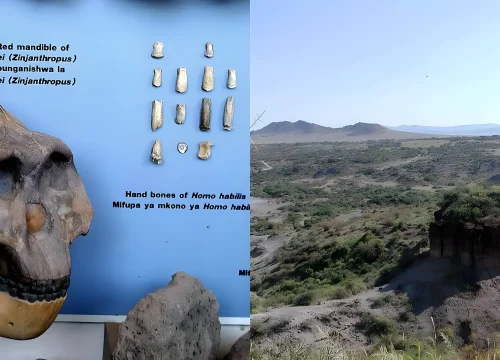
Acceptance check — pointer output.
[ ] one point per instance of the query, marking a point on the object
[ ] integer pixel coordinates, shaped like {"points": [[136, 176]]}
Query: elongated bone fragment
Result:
{"points": [[231, 79], [157, 50], [157, 77], [205, 150], [208, 79], [157, 153], [182, 80], [209, 50], [229, 113], [157, 115], [180, 113], [206, 109]]}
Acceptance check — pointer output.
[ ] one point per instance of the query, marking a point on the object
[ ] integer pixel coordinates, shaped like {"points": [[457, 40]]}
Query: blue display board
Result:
{"points": [[101, 108]]}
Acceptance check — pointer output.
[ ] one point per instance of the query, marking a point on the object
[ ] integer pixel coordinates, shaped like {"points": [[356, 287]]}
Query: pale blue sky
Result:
{"points": [[338, 62]]}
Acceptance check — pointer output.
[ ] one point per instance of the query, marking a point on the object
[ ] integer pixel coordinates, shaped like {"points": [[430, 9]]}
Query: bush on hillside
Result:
{"points": [[471, 203]]}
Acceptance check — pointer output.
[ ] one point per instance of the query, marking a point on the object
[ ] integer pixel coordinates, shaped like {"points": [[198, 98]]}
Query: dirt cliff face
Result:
{"points": [[471, 244]]}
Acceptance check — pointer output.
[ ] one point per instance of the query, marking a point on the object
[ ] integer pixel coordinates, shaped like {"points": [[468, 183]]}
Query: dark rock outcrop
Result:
{"points": [[240, 349], [474, 244], [178, 322]]}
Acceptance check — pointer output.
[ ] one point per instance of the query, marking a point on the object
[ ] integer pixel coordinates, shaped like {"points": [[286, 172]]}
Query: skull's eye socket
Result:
{"points": [[60, 159], [10, 172], [6, 182]]}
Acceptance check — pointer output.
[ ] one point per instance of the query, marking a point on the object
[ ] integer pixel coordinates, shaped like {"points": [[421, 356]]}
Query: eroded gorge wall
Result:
{"points": [[470, 244]]}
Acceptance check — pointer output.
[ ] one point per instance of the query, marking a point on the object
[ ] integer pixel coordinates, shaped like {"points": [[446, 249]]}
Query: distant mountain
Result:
{"points": [[288, 127], [303, 131], [460, 130], [304, 127], [361, 129]]}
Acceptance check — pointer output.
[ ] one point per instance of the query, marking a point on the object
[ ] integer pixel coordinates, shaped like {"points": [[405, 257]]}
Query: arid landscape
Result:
{"points": [[369, 242]]}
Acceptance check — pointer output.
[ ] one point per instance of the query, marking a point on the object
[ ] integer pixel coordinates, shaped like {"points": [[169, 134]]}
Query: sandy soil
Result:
{"points": [[349, 216], [266, 208], [263, 252], [266, 166], [389, 164], [316, 323], [328, 183], [432, 291]]}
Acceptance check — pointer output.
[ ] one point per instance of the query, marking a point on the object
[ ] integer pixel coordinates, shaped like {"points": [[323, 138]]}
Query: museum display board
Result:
{"points": [[152, 97]]}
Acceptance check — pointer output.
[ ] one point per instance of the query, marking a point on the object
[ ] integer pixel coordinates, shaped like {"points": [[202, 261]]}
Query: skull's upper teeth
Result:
{"points": [[36, 290]]}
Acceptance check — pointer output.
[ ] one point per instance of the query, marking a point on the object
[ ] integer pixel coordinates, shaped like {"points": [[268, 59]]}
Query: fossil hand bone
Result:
{"points": [[182, 147], [157, 78], [157, 115], [157, 50], [157, 153], [43, 210], [209, 50], [182, 80], [205, 150], [208, 79], [231, 79], [180, 113], [206, 109], [229, 113]]}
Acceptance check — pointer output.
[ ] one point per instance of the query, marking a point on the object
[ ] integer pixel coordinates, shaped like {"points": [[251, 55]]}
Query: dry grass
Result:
{"points": [[439, 346], [333, 351]]}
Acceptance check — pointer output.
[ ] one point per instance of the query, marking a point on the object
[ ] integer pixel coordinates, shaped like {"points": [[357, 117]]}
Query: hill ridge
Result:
{"points": [[305, 127], [302, 131]]}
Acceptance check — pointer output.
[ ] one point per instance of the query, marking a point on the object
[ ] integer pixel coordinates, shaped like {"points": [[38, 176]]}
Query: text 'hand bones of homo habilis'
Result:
{"points": [[195, 195]]}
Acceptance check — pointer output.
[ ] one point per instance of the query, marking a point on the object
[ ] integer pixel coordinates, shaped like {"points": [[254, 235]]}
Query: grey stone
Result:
{"points": [[240, 349], [178, 322]]}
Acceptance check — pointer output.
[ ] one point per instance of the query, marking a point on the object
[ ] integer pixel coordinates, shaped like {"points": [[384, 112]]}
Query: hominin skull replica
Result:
{"points": [[43, 208]]}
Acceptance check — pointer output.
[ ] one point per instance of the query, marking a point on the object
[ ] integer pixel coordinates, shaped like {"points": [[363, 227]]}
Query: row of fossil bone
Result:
{"points": [[207, 84], [204, 150], [158, 48], [205, 114]]}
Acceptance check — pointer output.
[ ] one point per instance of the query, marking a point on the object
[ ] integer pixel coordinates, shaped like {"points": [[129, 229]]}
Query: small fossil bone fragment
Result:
{"points": [[157, 78], [229, 113], [206, 109], [157, 50], [157, 115], [209, 50], [157, 153], [182, 147], [208, 79], [182, 80], [231, 79], [180, 113], [205, 150]]}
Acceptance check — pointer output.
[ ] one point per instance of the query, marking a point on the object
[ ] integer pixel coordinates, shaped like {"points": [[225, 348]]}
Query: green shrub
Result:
{"points": [[470, 203], [304, 299], [374, 326], [339, 292]]}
